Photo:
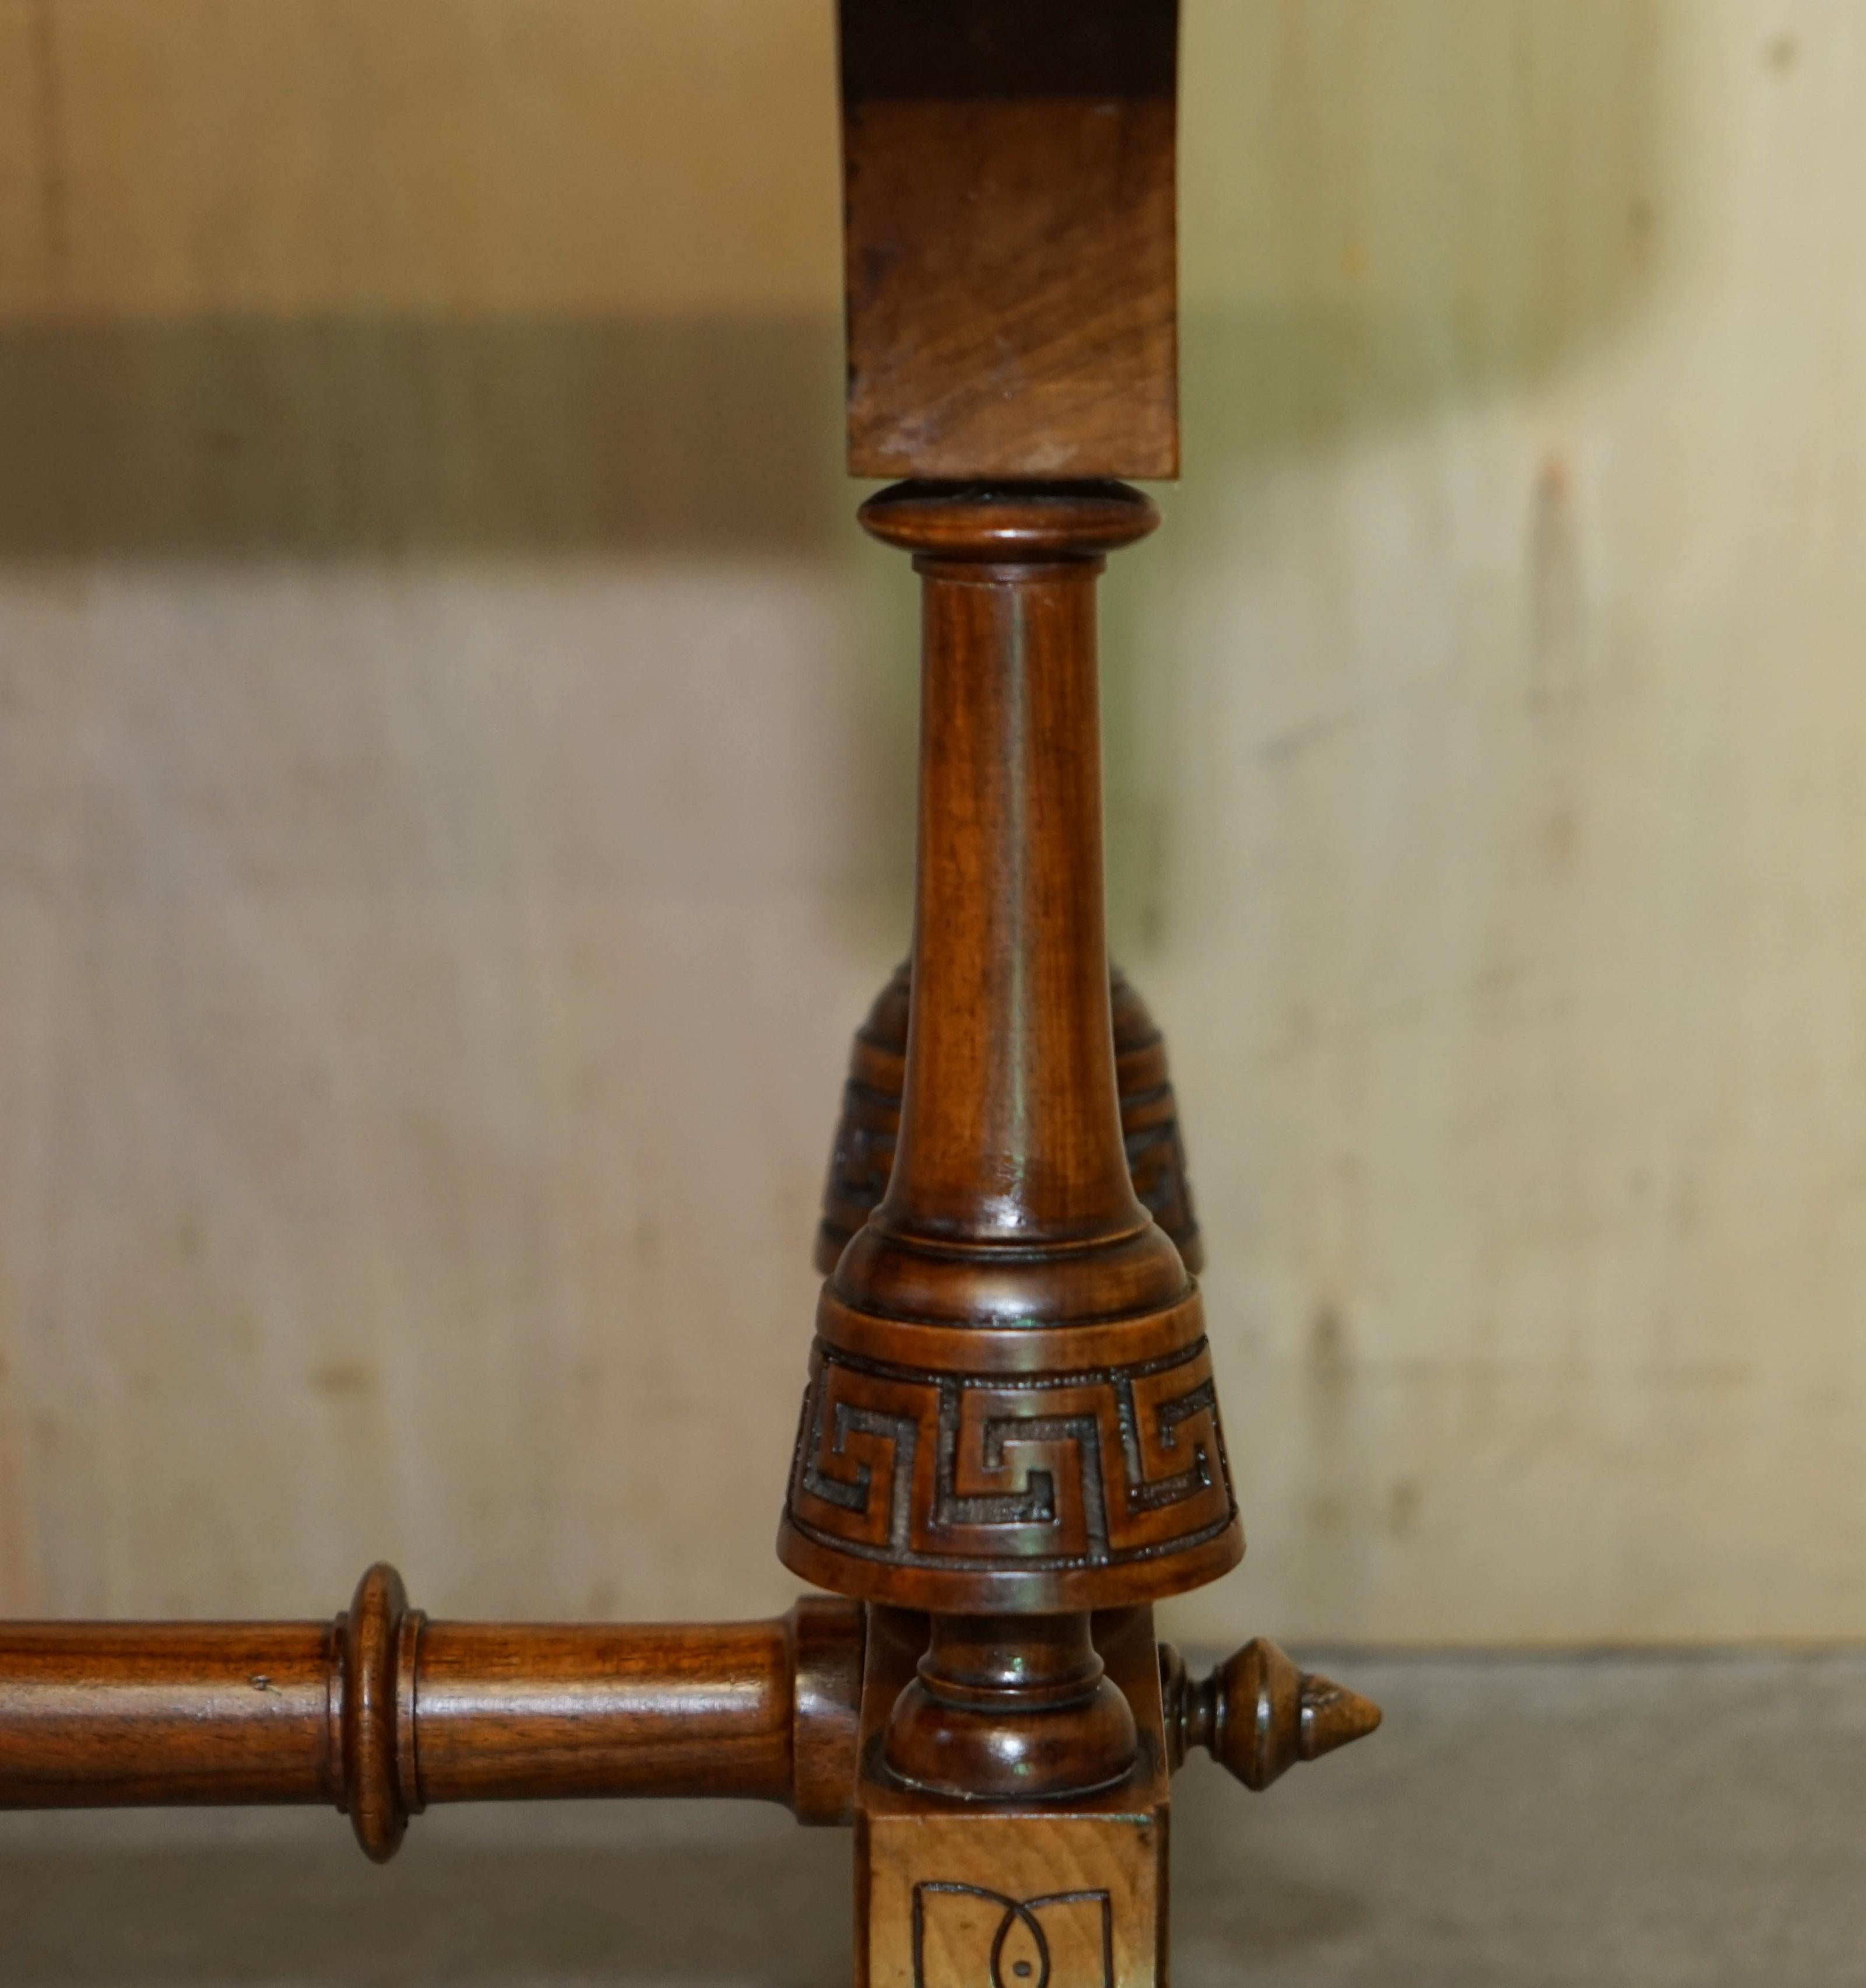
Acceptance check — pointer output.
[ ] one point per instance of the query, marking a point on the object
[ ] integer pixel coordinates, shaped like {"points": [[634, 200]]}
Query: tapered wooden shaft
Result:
{"points": [[1011, 1421], [862, 1159], [1010, 1199], [1009, 1120]]}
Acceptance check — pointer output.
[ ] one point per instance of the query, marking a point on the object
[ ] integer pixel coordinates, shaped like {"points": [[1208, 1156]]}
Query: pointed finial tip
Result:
{"points": [[1333, 1715], [1258, 1714]]}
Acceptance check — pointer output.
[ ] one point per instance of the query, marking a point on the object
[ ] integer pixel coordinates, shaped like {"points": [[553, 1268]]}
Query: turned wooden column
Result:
{"points": [[1013, 1405], [1011, 1414], [867, 1129], [383, 1713], [1009, 1446]]}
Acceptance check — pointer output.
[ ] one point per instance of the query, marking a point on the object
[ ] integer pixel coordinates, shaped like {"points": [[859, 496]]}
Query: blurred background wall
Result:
{"points": [[455, 765]]}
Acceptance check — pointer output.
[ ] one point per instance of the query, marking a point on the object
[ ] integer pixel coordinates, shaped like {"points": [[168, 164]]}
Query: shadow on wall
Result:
{"points": [[346, 439], [1392, 208]]}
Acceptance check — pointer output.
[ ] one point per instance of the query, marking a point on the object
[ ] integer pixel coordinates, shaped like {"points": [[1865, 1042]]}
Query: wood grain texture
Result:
{"points": [[862, 1154], [1483, 738], [1073, 1891], [124, 1714], [762, 1710], [382, 1713], [961, 1447], [1009, 238]]}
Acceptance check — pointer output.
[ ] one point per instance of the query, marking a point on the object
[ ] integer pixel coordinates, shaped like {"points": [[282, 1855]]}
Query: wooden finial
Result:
{"points": [[1258, 1714]]}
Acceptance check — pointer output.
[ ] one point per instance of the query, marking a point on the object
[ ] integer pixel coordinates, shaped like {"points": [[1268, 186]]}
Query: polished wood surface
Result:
{"points": [[1009, 1445], [862, 1156], [382, 1713], [1011, 1405], [112, 1715], [759, 1709], [1010, 1708], [1013, 1893], [1258, 1714], [1008, 200]]}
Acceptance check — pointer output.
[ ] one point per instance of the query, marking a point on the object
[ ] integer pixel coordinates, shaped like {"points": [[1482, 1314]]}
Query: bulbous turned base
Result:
{"points": [[1011, 1708]]}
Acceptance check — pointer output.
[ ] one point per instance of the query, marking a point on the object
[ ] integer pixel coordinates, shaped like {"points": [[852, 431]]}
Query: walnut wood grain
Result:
{"points": [[382, 1713], [1258, 1714], [108, 1715], [1009, 237], [1010, 1708], [508, 1713], [862, 1154], [1013, 1893], [1011, 1407]]}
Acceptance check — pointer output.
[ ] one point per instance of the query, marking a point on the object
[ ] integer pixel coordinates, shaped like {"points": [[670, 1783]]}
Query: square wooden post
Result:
{"points": [[1068, 1894]]}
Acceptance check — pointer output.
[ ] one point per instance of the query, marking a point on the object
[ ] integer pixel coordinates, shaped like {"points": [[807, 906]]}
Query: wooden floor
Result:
{"points": [[1644, 1821]]}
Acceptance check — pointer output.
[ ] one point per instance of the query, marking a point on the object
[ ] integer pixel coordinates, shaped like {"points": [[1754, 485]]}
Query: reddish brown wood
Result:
{"points": [[1258, 1714], [379, 1638], [382, 1713], [1010, 1708], [1011, 1407], [1008, 196], [862, 1155], [765, 1710], [1150, 1122], [109, 1715], [1011, 1411], [965, 1891]]}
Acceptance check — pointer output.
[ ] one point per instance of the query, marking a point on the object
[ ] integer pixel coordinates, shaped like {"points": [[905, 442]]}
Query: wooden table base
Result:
{"points": [[1010, 1446]]}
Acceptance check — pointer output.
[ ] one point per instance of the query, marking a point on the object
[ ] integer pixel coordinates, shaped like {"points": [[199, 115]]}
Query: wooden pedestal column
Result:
{"points": [[1010, 1429], [1012, 1408], [1010, 1422], [1010, 1447]]}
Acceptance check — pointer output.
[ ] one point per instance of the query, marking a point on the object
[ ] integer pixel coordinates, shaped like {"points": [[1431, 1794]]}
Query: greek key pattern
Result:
{"points": [[968, 1472]]}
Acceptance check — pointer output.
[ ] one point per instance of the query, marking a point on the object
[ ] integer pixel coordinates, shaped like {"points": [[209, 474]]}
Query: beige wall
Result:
{"points": [[454, 800]]}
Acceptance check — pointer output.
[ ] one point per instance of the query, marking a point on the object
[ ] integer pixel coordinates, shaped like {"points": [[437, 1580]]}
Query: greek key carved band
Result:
{"points": [[1054, 1470]]}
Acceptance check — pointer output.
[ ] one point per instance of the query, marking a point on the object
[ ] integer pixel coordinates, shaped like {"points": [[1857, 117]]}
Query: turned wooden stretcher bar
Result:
{"points": [[1010, 1446]]}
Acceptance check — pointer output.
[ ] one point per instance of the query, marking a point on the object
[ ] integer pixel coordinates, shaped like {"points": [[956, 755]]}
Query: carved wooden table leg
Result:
{"points": [[1011, 1428], [1010, 1445], [1011, 1422]]}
